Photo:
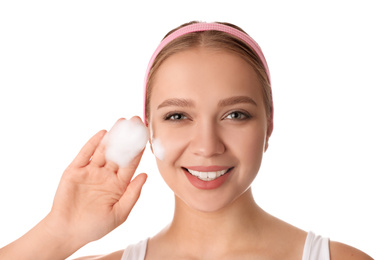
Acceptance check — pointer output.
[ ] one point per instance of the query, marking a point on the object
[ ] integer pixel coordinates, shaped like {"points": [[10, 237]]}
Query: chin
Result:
{"points": [[211, 201]]}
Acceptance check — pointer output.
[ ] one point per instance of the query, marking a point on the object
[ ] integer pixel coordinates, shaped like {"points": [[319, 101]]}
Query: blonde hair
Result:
{"points": [[216, 40]]}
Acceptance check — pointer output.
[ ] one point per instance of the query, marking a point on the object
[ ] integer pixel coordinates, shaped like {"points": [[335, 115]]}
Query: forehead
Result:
{"points": [[205, 72]]}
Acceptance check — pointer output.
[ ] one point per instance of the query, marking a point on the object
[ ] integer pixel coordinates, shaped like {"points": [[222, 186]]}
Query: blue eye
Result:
{"points": [[175, 117], [237, 115]]}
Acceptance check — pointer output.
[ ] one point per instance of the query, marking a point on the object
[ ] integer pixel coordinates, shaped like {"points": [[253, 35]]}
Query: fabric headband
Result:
{"points": [[199, 27]]}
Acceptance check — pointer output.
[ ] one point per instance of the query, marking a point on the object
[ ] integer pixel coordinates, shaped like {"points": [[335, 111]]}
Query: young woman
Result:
{"points": [[209, 111]]}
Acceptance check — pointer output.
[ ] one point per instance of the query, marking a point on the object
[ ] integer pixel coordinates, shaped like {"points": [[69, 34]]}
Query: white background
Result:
{"points": [[71, 68]]}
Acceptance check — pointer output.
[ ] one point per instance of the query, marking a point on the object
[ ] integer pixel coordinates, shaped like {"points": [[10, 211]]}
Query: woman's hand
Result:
{"points": [[94, 195]]}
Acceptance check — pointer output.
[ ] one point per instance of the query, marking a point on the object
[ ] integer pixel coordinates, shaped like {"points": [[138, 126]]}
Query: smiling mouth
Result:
{"points": [[207, 176]]}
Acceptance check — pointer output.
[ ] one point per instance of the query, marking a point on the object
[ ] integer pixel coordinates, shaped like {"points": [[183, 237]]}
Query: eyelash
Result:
{"points": [[168, 117], [173, 116], [245, 115]]}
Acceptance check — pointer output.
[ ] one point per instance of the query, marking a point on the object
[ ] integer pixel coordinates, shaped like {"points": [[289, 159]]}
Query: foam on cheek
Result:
{"points": [[125, 141], [158, 149], [157, 146]]}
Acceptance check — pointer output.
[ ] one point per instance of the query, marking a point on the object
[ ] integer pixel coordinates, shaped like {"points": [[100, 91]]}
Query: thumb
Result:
{"points": [[130, 197]]}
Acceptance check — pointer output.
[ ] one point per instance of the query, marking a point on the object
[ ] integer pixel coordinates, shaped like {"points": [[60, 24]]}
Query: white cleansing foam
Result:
{"points": [[125, 141], [158, 149]]}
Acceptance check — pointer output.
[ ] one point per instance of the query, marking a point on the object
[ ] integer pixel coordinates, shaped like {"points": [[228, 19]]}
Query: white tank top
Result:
{"points": [[316, 248]]}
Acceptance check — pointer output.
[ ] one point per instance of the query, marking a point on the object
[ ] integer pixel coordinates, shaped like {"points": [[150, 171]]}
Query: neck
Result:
{"points": [[243, 217]]}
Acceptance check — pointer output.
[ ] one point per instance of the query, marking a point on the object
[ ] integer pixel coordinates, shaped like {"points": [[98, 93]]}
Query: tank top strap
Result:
{"points": [[136, 251], [316, 247]]}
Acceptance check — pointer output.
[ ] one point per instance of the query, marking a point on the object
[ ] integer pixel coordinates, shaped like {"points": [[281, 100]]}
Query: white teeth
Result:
{"points": [[212, 175], [207, 176]]}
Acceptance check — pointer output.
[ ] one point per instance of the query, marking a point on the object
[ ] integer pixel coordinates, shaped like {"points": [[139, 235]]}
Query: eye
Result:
{"points": [[237, 115], [175, 117]]}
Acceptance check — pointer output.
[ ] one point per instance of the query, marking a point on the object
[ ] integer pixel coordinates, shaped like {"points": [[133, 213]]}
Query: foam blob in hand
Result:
{"points": [[125, 141]]}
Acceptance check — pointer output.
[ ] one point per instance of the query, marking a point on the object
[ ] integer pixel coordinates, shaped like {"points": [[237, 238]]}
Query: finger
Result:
{"points": [[99, 157], [130, 197], [111, 166], [120, 119], [85, 154], [126, 173]]}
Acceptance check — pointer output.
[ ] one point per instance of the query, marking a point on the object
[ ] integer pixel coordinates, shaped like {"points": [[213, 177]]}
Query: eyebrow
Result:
{"points": [[181, 102], [177, 102], [236, 100]]}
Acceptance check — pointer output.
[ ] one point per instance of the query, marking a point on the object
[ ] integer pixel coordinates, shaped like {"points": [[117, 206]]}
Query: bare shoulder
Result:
{"points": [[340, 251], [113, 256]]}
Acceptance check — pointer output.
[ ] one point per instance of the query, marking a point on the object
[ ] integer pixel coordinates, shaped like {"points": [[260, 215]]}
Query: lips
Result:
{"points": [[207, 177]]}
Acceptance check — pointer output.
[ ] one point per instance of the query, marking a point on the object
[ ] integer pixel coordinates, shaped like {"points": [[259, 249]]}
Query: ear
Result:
{"points": [[151, 146], [270, 128], [150, 136], [150, 140]]}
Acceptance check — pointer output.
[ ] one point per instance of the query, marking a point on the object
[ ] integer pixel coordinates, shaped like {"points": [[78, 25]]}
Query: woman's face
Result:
{"points": [[207, 110]]}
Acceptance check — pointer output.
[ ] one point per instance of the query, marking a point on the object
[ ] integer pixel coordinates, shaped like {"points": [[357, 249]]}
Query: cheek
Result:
{"points": [[247, 146], [167, 144], [255, 144], [171, 145]]}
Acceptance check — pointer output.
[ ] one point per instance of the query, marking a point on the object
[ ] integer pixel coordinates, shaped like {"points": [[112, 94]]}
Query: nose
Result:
{"points": [[206, 140]]}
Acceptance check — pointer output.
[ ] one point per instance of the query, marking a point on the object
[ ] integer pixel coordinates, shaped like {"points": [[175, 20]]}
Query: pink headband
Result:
{"points": [[199, 27]]}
